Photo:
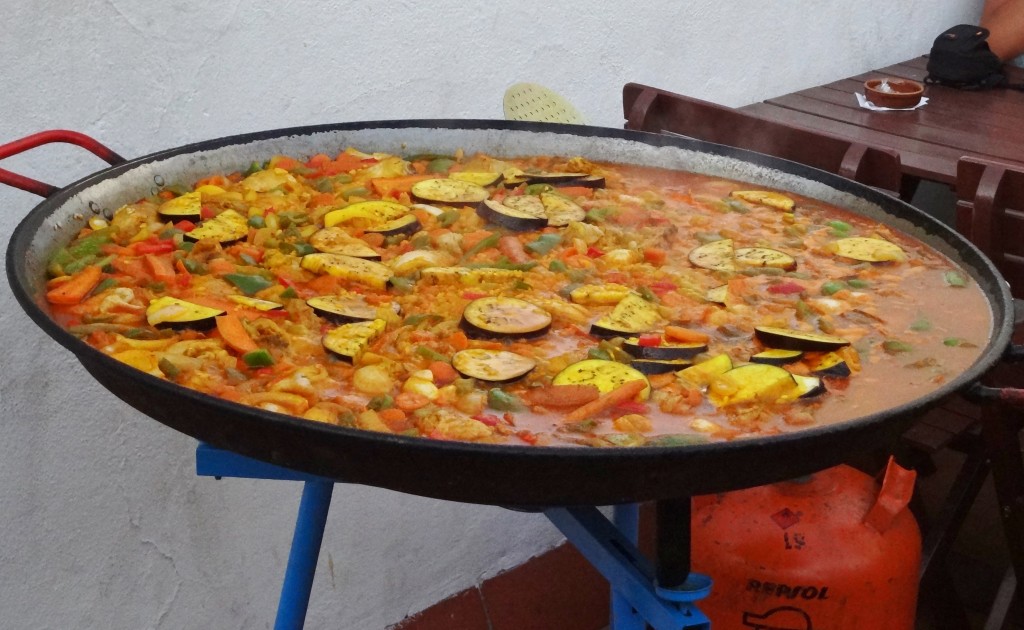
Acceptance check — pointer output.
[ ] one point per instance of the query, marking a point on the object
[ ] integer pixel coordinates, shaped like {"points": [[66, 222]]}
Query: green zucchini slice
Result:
{"points": [[449, 191], [368, 272], [867, 249], [493, 366], [350, 340], [659, 366], [226, 227], [187, 207], [170, 312], [491, 317], [716, 255], [764, 257], [336, 240], [754, 382], [561, 211], [830, 364], [788, 339], [521, 219], [664, 352], [366, 213], [776, 356], [605, 375], [631, 316]]}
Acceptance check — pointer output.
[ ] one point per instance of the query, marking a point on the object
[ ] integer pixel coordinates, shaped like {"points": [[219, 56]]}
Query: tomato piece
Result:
{"points": [[649, 341], [153, 246], [185, 225]]}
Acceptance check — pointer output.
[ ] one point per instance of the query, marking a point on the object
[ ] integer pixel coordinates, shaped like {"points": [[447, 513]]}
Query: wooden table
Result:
{"points": [[929, 139]]}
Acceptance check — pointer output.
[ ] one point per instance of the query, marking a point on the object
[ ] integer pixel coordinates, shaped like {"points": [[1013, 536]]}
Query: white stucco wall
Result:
{"points": [[103, 523]]}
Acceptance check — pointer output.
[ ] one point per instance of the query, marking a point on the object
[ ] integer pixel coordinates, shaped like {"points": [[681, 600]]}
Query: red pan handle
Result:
{"points": [[46, 137]]}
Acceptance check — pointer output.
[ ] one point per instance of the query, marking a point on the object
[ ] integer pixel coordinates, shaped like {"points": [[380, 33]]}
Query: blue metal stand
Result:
{"points": [[611, 548]]}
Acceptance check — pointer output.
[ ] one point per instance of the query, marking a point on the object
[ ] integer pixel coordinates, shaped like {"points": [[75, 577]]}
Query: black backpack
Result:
{"points": [[961, 58]]}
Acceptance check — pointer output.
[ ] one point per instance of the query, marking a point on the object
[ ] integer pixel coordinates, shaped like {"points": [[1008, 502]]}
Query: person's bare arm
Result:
{"points": [[1005, 21]]}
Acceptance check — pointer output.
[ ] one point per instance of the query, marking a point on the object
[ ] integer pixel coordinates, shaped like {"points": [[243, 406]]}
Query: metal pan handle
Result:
{"points": [[46, 137]]}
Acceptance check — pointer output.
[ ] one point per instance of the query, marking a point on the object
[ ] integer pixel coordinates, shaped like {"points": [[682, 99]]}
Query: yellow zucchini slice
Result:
{"points": [[480, 178], [350, 340], [406, 224], [370, 273], [256, 303], [631, 316], [765, 198], [561, 211], [335, 240], [807, 387], [491, 317], [764, 257], [716, 255], [754, 382], [599, 294], [226, 227], [493, 366], [789, 339], [605, 375], [169, 312], [867, 249], [702, 373], [187, 207], [449, 191], [366, 213]]}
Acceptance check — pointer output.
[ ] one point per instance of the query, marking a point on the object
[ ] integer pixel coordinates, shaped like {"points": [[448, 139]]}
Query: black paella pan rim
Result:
{"points": [[511, 475]]}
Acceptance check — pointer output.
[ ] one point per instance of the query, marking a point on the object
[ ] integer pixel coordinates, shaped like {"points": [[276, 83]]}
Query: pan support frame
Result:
{"points": [[662, 596]]}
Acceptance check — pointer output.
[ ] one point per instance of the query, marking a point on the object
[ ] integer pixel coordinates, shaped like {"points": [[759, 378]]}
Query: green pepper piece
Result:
{"points": [[90, 245], [303, 249], [288, 294], [598, 353], [503, 401], [598, 215], [557, 266], [647, 294], [324, 185], [168, 368], [832, 287], [921, 324], [955, 279], [486, 243], [257, 221], [857, 283], [358, 191], [429, 353], [106, 283], [440, 165], [383, 401], [536, 189], [402, 285], [258, 358], [544, 244], [448, 217], [247, 283], [892, 346], [194, 267], [254, 167]]}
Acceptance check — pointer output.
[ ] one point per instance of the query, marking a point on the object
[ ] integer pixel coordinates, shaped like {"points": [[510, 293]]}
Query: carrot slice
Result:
{"points": [[391, 186], [443, 373], [622, 393], [160, 267], [562, 395], [685, 335], [76, 287], [234, 334]]}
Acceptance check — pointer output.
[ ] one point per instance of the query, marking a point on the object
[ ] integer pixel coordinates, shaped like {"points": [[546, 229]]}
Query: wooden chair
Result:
{"points": [[990, 213], [650, 109]]}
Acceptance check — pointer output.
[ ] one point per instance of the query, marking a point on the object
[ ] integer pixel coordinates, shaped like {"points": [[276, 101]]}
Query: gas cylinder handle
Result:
{"points": [[46, 137], [897, 490]]}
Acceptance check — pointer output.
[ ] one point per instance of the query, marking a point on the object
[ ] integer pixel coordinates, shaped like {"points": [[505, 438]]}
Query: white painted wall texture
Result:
{"points": [[103, 523]]}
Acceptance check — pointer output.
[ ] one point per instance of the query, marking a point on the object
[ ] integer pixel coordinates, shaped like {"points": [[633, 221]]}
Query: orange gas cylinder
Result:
{"points": [[826, 551]]}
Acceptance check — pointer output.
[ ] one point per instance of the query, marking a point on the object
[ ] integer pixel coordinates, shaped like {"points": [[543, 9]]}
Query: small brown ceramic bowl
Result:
{"points": [[902, 93]]}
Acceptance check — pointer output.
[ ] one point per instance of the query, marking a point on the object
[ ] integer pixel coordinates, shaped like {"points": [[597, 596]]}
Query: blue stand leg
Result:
{"points": [[623, 615], [309, 533]]}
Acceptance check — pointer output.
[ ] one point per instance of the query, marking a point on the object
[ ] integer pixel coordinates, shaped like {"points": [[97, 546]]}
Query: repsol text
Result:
{"points": [[785, 591]]}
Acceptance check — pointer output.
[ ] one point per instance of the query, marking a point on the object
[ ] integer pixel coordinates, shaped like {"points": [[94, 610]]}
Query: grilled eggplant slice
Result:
{"points": [[370, 273], [350, 340], [702, 373], [665, 351], [226, 227], [343, 309], [366, 213], [521, 219], [560, 210], [413, 261], [335, 240], [716, 255], [552, 177], [808, 386], [717, 294], [764, 257], [493, 366], [590, 181], [480, 178], [169, 312], [631, 316], [777, 357], [605, 375], [788, 339], [406, 224], [830, 364], [256, 303], [659, 366], [867, 249], [449, 191], [765, 198], [187, 207], [504, 317], [754, 382]]}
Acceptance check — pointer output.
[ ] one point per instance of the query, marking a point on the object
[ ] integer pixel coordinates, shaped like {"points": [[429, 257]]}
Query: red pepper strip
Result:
{"points": [[648, 341], [786, 288], [489, 419], [153, 246], [594, 252], [473, 295]]}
